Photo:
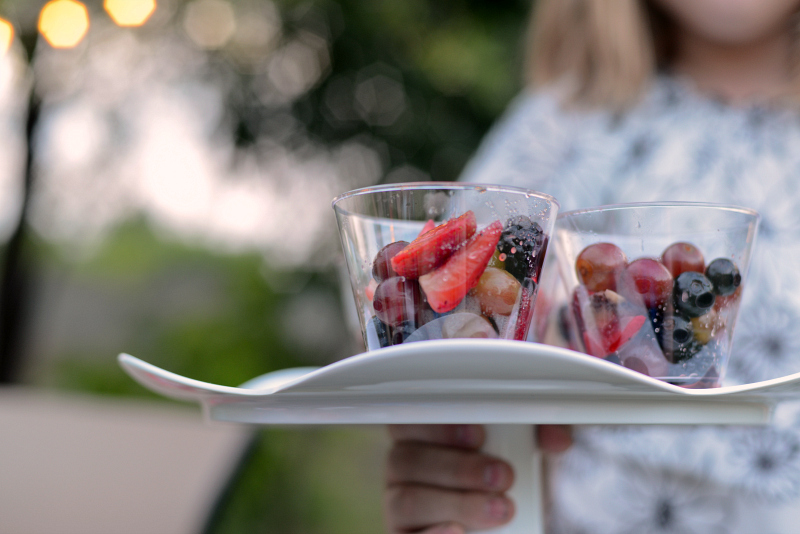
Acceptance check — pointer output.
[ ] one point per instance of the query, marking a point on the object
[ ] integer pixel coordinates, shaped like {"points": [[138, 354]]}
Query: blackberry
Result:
{"points": [[522, 242]]}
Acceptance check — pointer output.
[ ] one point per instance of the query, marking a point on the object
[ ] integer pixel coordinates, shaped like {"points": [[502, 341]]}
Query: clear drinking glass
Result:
{"points": [[657, 287], [444, 260]]}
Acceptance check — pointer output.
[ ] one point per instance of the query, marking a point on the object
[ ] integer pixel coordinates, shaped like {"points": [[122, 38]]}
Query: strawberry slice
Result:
{"points": [[594, 347], [430, 225], [369, 291], [431, 249], [627, 331], [447, 286], [605, 342]]}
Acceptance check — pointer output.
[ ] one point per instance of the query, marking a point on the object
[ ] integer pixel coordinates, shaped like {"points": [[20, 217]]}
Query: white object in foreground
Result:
{"points": [[468, 381], [495, 382]]}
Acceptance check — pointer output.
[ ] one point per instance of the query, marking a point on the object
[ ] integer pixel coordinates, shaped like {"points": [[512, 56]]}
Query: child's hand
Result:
{"points": [[438, 482]]}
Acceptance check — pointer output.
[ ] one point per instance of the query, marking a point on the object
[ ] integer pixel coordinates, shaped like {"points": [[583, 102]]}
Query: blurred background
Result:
{"points": [[166, 172]]}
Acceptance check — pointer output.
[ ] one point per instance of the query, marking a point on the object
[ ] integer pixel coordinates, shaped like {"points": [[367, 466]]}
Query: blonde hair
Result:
{"points": [[602, 52]]}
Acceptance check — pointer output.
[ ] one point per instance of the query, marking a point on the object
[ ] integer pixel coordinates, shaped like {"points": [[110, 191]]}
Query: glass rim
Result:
{"points": [[672, 204], [457, 186]]}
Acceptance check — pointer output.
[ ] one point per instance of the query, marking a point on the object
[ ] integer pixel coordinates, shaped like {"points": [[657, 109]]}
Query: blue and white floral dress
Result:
{"points": [[677, 145]]}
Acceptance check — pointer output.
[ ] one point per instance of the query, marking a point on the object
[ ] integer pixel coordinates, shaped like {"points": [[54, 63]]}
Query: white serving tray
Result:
{"points": [[468, 381]]}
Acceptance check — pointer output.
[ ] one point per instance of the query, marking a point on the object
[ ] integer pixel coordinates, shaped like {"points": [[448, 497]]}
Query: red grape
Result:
{"points": [[382, 266], [598, 265], [726, 301], [647, 279], [497, 291], [397, 299], [682, 257]]}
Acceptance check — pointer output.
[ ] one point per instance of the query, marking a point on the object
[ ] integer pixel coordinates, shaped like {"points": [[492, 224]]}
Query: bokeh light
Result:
{"points": [[129, 13], [298, 65], [210, 23], [6, 35], [63, 23]]}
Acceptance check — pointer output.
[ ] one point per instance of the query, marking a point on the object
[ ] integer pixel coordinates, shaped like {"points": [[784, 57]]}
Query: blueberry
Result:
{"points": [[694, 294], [699, 365], [381, 332], [724, 275], [523, 243], [676, 337], [399, 333], [656, 316], [388, 335], [686, 352]]}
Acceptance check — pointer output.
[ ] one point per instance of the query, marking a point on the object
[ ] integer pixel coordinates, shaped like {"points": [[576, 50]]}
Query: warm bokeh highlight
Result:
{"points": [[63, 23], [6, 35], [210, 23], [129, 12]]}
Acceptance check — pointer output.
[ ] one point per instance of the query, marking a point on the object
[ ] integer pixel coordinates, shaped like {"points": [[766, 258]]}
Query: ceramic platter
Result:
{"points": [[468, 381]]}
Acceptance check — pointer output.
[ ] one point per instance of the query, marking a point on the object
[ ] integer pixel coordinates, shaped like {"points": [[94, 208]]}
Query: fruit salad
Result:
{"points": [[456, 281], [665, 317]]}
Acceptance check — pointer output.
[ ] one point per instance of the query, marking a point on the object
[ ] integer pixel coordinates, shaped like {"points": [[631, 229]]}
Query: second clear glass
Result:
{"points": [[657, 287]]}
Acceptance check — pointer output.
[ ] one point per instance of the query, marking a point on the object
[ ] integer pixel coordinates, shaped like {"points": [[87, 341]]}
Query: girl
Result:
{"points": [[647, 100]]}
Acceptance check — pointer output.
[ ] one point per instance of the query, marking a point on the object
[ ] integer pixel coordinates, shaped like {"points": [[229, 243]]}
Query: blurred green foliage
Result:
{"points": [[459, 62], [233, 332]]}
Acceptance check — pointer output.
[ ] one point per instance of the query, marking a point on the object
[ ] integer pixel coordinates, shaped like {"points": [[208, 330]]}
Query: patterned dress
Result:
{"points": [[677, 145]]}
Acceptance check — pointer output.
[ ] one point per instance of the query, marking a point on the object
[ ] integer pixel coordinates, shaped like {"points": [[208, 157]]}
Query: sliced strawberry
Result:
{"points": [[594, 347], [631, 329], [430, 225], [579, 296], [628, 329], [431, 249], [447, 286], [369, 291], [597, 320]]}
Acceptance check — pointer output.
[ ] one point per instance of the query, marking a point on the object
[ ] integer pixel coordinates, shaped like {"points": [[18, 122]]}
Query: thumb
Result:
{"points": [[554, 438]]}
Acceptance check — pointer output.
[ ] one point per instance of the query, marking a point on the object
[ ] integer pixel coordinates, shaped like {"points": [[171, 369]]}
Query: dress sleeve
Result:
{"points": [[524, 147]]}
